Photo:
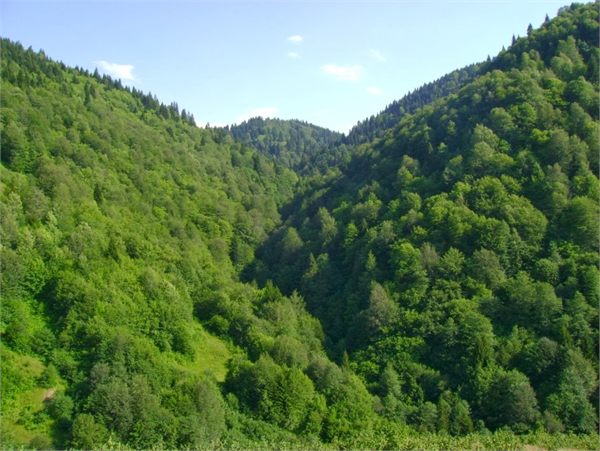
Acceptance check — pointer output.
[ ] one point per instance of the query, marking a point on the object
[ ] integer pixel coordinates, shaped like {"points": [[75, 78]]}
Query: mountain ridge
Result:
{"points": [[331, 148]]}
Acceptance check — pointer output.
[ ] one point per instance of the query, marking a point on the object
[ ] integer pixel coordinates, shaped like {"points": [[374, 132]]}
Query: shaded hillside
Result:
{"points": [[293, 143], [455, 260]]}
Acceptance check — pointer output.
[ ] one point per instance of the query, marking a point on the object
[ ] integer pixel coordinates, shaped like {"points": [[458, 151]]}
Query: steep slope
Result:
{"points": [[126, 231], [456, 258], [375, 126], [293, 143], [123, 324]]}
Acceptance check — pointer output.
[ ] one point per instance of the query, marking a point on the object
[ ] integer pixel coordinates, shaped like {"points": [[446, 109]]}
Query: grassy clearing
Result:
{"points": [[23, 415], [211, 356]]}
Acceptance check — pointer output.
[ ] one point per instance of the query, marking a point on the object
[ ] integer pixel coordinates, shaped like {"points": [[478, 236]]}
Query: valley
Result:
{"points": [[427, 281]]}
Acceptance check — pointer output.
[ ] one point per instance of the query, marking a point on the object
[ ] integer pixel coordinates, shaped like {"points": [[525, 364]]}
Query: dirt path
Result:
{"points": [[49, 394]]}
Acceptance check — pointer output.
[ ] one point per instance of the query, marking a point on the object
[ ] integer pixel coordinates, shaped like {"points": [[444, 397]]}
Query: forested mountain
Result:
{"points": [[454, 262], [295, 144], [124, 227], [312, 150], [375, 126], [439, 290]]}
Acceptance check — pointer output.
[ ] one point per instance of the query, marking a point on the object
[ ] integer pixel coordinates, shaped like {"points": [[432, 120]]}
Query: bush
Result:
{"points": [[87, 433], [40, 442]]}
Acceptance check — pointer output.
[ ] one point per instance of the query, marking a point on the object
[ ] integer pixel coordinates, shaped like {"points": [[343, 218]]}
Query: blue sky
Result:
{"points": [[329, 63]]}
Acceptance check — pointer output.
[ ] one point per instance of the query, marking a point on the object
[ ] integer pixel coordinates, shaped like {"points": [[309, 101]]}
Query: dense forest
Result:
{"points": [[429, 281], [375, 126], [457, 256], [297, 145]]}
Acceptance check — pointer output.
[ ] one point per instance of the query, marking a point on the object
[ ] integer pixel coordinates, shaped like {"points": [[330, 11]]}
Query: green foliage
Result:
{"points": [[86, 433], [453, 414], [211, 410], [447, 249], [579, 223], [296, 144], [122, 221], [510, 401], [376, 126], [458, 242], [60, 407], [381, 313]]}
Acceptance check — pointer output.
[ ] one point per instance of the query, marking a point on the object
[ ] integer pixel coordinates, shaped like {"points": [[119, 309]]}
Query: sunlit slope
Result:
{"points": [[455, 259]]}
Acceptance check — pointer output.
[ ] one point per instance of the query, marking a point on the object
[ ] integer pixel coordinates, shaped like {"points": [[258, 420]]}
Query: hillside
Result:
{"points": [[124, 227], [455, 260], [171, 287], [312, 150], [293, 143], [375, 126]]}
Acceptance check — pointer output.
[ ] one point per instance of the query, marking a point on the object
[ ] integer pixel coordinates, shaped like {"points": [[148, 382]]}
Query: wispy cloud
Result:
{"points": [[374, 90], [345, 73], [378, 56], [296, 39], [293, 55], [122, 71], [262, 112]]}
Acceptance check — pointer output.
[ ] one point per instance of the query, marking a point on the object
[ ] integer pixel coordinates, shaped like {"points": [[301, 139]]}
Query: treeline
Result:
{"points": [[30, 68], [375, 126], [312, 150]]}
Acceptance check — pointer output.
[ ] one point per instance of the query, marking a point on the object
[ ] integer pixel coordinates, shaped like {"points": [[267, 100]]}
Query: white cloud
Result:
{"points": [[262, 112], [122, 71], [378, 56], [296, 39], [374, 90], [293, 55], [345, 73]]}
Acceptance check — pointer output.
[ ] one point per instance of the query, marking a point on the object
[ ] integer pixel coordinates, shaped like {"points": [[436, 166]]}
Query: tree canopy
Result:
{"points": [[429, 281]]}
